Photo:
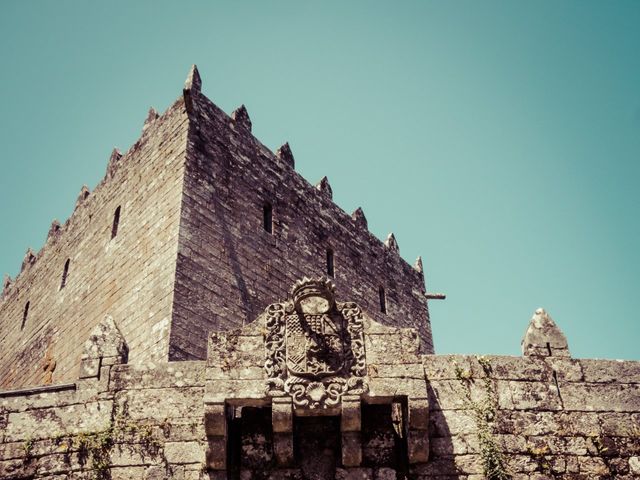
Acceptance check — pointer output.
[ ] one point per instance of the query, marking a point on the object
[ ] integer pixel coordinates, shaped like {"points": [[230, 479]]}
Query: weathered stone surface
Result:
{"points": [[610, 371], [285, 154], [544, 338], [601, 397], [47, 423], [184, 452]]}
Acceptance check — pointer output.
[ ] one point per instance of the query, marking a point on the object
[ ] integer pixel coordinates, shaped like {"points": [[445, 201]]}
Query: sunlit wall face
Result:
{"points": [[498, 140]]}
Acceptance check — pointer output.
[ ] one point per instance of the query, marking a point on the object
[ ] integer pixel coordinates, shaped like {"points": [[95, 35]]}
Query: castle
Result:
{"points": [[206, 312]]}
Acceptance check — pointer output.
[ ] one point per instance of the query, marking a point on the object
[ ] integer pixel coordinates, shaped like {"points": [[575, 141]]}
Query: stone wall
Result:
{"points": [[230, 267], [129, 276], [529, 417], [420, 416]]}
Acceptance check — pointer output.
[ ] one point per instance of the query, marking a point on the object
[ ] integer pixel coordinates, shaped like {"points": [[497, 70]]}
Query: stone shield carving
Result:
{"points": [[315, 347]]}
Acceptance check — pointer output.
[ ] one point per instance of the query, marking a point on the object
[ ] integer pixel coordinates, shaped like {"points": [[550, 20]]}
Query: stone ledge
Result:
{"points": [[36, 390]]}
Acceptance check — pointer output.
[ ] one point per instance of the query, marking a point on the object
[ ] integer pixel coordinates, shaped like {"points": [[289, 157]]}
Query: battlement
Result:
{"points": [[197, 227]]}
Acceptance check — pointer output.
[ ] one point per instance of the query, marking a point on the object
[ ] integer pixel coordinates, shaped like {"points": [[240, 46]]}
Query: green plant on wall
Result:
{"points": [[483, 413], [94, 448], [28, 449]]}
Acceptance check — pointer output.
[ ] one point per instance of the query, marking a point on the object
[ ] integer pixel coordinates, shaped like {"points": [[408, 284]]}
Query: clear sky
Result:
{"points": [[499, 140]]}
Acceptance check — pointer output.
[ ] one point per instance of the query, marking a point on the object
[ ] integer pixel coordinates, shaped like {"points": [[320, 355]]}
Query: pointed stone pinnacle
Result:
{"points": [[115, 157], [241, 117], [152, 116], [544, 338], [391, 243], [6, 284], [418, 265], [29, 259], [284, 153], [193, 82], [54, 229], [83, 195], [324, 187], [359, 218]]}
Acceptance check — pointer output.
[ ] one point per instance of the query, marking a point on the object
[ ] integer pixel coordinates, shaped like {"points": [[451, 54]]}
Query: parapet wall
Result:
{"points": [[129, 275], [526, 417]]}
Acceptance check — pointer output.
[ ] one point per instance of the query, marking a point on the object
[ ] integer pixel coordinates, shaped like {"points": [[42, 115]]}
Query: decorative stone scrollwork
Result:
{"points": [[315, 347]]}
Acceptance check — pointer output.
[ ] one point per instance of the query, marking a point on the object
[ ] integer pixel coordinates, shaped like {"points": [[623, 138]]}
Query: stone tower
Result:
{"points": [[196, 228]]}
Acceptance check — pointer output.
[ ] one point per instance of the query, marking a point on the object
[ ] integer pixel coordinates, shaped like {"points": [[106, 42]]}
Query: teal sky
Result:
{"points": [[499, 140]]}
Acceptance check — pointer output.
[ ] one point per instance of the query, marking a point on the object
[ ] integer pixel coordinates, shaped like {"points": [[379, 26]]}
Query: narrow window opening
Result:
{"points": [[116, 222], [383, 300], [65, 273], [549, 348], [267, 214], [330, 262], [25, 314]]}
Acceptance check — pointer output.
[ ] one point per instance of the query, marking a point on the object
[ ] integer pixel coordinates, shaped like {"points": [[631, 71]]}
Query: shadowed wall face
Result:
{"points": [[251, 226]]}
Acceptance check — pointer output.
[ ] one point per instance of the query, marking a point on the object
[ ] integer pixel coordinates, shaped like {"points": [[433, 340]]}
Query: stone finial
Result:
{"points": [[284, 153], [418, 265], [54, 229], [29, 259], [152, 116], [359, 218], [391, 243], [105, 346], [193, 82], [6, 284], [324, 187], [241, 117], [83, 195], [544, 338], [115, 157]]}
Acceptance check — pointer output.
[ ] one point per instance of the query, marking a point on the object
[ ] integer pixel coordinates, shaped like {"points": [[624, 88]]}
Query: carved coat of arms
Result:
{"points": [[315, 347]]}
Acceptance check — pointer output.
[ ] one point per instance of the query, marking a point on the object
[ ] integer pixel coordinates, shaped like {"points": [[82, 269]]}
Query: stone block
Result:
{"points": [[184, 452], [220, 390], [601, 397], [217, 453], [393, 387], [350, 420], [610, 371], [418, 446], [418, 411], [47, 423], [399, 348], [215, 419], [283, 448], [533, 396], [354, 474], [351, 449]]}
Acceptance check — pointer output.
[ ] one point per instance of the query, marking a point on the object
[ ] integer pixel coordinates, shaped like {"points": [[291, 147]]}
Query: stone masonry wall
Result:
{"points": [[229, 267], [129, 277], [528, 418]]}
